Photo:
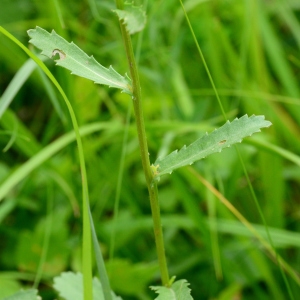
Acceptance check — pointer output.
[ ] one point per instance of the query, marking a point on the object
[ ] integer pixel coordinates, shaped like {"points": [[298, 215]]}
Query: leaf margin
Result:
{"points": [[163, 165], [52, 44]]}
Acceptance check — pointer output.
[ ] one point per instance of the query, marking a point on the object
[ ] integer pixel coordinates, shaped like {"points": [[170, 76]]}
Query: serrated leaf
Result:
{"points": [[134, 17], [77, 61], [24, 295], [70, 286], [223, 137], [179, 290]]}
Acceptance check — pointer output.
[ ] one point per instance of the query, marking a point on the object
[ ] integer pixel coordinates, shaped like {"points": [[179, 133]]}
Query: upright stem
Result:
{"points": [[159, 241], [152, 187]]}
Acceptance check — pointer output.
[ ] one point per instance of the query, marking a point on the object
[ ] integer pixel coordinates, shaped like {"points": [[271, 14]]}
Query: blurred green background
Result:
{"points": [[252, 51]]}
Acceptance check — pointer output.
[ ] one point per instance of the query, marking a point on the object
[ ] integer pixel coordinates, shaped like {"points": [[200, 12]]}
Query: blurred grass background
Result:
{"points": [[252, 50]]}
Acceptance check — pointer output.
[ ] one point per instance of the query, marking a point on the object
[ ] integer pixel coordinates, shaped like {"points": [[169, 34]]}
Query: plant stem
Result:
{"points": [[159, 241], [152, 187], [87, 260]]}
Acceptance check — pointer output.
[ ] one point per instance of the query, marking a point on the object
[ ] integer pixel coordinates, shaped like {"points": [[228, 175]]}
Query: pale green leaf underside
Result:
{"points": [[223, 137], [77, 61], [70, 286], [24, 295], [133, 17], [178, 291]]}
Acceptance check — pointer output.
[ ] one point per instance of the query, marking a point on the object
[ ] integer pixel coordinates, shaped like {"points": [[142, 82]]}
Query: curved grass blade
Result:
{"points": [[15, 85], [87, 239], [77, 61], [46, 153], [225, 136]]}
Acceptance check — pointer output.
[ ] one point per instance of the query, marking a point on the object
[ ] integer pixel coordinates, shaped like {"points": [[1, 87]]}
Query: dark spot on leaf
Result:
{"points": [[222, 142]]}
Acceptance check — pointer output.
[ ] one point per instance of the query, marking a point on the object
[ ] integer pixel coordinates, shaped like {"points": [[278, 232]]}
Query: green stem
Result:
{"points": [[158, 234], [152, 187], [86, 260]]}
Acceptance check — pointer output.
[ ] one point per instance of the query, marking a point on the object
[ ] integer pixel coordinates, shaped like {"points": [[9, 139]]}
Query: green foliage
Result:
{"points": [[9, 286], [27, 258], [130, 279], [19, 79], [221, 138], [177, 291], [251, 48], [134, 17], [74, 59], [24, 295], [69, 286]]}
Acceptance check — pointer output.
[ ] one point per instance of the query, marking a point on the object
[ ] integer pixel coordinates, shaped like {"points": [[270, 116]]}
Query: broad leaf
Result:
{"points": [[70, 286], [178, 291], [133, 17], [24, 295], [223, 137], [74, 59]]}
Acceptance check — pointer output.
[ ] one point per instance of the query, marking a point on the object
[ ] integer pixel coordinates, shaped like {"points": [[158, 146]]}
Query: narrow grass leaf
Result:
{"points": [[292, 157], [25, 141], [15, 85], [184, 99], [282, 238], [179, 290], [46, 153], [87, 239], [134, 17], [225, 136], [49, 89], [77, 61], [100, 263]]}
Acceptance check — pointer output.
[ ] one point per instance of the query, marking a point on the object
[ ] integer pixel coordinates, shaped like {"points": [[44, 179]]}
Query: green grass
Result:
{"points": [[251, 49]]}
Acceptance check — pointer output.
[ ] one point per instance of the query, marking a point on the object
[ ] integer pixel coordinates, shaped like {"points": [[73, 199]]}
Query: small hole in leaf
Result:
{"points": [[58, 54]]}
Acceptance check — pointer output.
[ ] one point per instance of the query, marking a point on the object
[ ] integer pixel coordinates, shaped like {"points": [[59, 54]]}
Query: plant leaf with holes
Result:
{"points": [[77, 61], [223, 137], [179, 290], [133, 17]]}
